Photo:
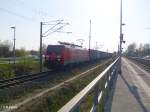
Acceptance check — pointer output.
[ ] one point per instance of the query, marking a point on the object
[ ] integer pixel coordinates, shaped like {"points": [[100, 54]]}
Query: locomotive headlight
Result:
{"points": [[58, 59], [47, 57]]}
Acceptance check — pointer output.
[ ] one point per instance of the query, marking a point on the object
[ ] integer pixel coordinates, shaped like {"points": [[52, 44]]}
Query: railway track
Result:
{"points": [[22, 79], [145, 64]]}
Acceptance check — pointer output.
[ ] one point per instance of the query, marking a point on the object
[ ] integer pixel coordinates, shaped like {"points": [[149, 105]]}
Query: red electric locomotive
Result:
{"points": [[66, 54]]}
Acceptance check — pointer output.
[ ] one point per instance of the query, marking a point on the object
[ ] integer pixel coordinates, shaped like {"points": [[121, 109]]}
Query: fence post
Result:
{"points": [[109, 78], [103, 94], [119, 64], [96, 94]]}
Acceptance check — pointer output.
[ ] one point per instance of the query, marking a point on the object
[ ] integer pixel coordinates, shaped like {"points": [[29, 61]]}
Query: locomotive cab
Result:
{"points": [[54, 56]]}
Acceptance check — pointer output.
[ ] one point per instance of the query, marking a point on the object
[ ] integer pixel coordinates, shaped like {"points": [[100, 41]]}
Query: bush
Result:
{"points": [[6, 71], [8, 74], [26, 67], [20, 68]]}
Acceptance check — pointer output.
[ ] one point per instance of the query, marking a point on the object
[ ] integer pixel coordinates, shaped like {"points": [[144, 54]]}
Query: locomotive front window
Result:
{"points": [[54, 49]]}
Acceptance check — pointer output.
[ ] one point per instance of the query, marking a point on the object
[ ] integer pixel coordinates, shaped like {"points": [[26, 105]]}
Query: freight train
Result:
{"points": [[66, 54]]}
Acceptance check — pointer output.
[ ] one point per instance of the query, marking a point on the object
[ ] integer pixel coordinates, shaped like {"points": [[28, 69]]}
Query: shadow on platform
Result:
{"points": [[134, 90]]}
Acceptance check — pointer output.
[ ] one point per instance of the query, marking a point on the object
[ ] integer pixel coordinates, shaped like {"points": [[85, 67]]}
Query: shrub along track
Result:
{"points": [[67, 88]]}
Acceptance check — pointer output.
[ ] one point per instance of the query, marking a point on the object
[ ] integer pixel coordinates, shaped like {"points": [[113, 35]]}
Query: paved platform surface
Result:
{"points": [[132, 91]]}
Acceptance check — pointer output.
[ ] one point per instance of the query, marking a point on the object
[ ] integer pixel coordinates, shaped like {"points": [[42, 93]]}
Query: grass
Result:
{"points": [[9, 71], [53, 101], [22, 67], [6, 71], [28, 66]]}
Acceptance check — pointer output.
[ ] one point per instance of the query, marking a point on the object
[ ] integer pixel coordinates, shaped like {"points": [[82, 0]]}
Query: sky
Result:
{"points": [[26, 16]]}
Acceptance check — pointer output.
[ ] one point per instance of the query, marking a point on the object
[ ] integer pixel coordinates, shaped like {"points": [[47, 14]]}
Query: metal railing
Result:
{"points": [[99, 88]]}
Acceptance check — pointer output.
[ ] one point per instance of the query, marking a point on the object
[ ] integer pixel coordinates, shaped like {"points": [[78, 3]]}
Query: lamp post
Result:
{"points": [[14, 53], [90, 42], [121, 36], [41, 46], [121, 24]]}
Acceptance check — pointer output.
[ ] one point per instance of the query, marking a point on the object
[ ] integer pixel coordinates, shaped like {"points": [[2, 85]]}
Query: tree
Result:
{"points": [[131, 50], [5, 48], [146, 49], [21, 52], [142, 51]]}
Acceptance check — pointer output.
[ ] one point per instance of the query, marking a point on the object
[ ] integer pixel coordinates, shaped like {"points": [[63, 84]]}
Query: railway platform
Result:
{"points": [[132, 89]]}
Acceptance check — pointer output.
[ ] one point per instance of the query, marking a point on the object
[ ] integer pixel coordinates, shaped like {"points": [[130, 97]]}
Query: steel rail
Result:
{"points": [[145, 63], [21, 79]]}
